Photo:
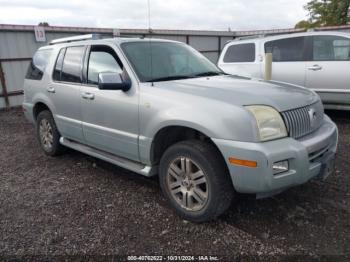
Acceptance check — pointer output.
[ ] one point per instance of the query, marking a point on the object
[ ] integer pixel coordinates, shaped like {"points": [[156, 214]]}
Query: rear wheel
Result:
{"points": [[48, 134], [194, 178]]}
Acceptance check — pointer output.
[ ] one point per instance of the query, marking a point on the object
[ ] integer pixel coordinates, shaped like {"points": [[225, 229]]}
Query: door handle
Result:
{"points": [[315, 68], [87, 95], [50, 90]]}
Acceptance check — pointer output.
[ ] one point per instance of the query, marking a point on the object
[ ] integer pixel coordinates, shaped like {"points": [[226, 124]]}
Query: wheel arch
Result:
{"points": [[39, 107], [172, 134], [40, 102]]}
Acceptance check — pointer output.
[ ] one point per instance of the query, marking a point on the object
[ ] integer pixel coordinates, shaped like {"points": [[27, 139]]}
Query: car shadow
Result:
{"points": [[339, 115]]}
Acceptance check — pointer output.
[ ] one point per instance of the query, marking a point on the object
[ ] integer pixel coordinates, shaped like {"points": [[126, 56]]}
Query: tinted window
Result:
{"points": [[331, 48], [58, 67], [102, 60], [37, 65], [72, 64], [240, 53], [289, 49]]}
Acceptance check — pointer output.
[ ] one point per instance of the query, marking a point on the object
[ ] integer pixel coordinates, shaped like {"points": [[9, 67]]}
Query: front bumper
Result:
{"points": [[305, 156]]}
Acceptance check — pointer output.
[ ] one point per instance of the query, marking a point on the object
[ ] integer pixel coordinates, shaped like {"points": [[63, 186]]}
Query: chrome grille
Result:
{"points": [[304, 120]]}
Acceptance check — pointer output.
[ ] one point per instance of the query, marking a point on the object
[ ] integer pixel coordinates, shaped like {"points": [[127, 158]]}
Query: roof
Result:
{"points": [[282, 36], [116, 40]]}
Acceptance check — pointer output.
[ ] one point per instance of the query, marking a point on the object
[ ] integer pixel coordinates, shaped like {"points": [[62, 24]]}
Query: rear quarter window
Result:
{"points": [[240, 53], [38, 64], [58, 66]]}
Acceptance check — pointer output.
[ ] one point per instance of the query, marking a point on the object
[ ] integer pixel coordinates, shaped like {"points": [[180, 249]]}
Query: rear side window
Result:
{"points": [[240, 53], [331, 48], [72, 64], [38, 64], [286, 50], [58, 66]]}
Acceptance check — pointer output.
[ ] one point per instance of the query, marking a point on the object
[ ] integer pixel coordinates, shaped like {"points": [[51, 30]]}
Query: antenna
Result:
{"points": [[150, 36], [149, 14]]}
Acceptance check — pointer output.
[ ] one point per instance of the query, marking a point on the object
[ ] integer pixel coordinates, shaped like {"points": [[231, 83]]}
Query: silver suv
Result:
{"points": [[160, 107]]}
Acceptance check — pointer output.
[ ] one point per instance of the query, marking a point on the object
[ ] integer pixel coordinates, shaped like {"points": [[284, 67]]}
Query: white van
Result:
{"points": [[318, 60]]}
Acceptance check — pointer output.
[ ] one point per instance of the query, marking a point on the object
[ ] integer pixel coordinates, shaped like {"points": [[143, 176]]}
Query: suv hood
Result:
{"points": [[244, 91]]}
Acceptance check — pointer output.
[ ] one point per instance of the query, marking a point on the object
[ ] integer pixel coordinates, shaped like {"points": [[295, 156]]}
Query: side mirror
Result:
{"points": [[113, 81]]}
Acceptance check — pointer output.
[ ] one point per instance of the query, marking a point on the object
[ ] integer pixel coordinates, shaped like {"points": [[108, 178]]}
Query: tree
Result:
{"points": [[43, 24], [303, 24], [326, 13]]}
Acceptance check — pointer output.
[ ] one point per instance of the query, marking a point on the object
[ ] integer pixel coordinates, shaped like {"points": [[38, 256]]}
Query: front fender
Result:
{"points": [[214, 119], [225, 122]]}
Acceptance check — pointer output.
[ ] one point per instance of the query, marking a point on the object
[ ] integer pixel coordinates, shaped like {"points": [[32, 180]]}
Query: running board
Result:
{"points": [[116, 160]]}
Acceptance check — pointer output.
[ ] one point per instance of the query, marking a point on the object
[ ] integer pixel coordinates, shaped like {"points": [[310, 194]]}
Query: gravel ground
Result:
{"points": [[77, 205]]}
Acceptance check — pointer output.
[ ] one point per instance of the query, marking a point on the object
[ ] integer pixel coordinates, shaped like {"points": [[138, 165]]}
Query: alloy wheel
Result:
{"points": [[46, 134], [187, 184]]}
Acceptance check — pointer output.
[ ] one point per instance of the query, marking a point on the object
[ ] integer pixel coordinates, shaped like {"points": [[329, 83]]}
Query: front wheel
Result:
{"points": [[194, 178]]}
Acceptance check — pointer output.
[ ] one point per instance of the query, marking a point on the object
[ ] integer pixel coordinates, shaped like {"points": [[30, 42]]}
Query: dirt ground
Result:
{"points": [[77, 205]]}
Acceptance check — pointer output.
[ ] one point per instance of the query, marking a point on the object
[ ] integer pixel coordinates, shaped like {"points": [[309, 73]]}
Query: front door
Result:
{"points": [[288, 59], [328, 72], [110, 117]]}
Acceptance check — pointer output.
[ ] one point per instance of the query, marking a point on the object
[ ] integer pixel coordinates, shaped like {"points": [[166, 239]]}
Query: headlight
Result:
{"points": [[269, 121]]}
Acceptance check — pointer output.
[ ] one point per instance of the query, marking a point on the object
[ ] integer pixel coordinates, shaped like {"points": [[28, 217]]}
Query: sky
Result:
{"points": [[165, 14]]}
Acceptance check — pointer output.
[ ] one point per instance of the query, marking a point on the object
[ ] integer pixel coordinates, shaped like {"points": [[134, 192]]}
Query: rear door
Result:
{"points": [[110, 117], [328, 72], [64, 91], [288, 59], [240, 59]]}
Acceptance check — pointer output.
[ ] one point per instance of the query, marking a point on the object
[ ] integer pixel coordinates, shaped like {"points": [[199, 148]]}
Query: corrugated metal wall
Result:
{"points": [[16, 50], [18, 46]]}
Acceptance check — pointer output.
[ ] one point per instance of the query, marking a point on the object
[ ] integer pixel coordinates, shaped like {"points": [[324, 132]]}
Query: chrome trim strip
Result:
{"points": [[337, 107], [332, 90], [110, 130], [68, 119]]}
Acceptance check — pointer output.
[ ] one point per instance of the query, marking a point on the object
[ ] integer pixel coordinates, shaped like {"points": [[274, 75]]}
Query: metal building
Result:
{"points": [[19, 42]]}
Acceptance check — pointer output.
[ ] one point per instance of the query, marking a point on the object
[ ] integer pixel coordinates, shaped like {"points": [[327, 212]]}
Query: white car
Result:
{"points": [[317, 60]]}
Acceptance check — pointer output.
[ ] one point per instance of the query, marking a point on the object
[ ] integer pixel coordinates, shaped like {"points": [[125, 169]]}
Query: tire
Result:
{"points": [[194, 178], [48, 135]]}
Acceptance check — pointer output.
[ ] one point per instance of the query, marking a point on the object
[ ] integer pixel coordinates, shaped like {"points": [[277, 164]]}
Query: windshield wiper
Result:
{"points": [[178, 77], [168, 78], [209, 73]]}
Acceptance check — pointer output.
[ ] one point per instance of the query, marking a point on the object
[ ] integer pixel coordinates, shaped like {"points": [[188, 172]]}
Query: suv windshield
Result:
{"points": [[163, 61]]}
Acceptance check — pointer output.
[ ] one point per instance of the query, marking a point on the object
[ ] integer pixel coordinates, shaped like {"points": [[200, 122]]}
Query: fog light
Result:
{"points": [[280, 167]]}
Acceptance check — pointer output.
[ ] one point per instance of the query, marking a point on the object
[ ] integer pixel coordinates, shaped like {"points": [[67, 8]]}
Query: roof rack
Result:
{"points": [[249, 37], [76, 38]]}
